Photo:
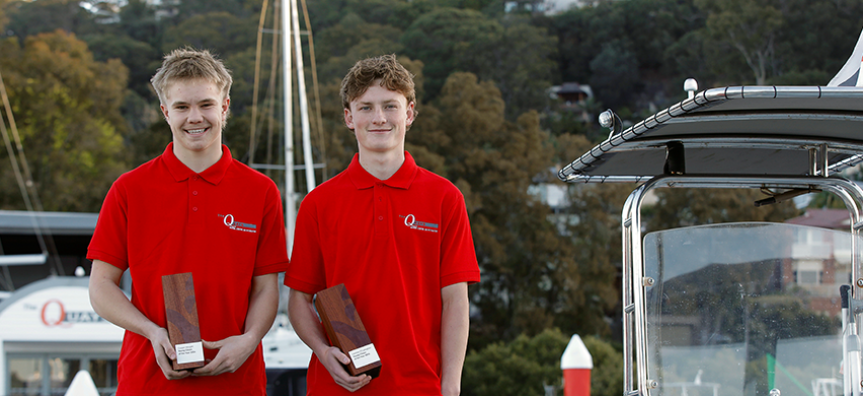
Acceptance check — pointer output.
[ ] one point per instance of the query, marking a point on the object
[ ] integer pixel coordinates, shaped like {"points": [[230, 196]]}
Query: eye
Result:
{"points": [[365, 108]]}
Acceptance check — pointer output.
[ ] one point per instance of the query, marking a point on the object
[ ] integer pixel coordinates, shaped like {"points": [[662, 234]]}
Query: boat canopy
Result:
{"points": [[735, 131]]}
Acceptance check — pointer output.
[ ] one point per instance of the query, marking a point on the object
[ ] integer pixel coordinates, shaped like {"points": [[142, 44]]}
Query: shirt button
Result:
{"points": [[195, 209], [194, 177], [380, 217], [380, 199], [194, 193]]}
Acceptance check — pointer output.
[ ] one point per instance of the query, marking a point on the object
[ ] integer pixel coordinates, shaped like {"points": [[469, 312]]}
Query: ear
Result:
{"points": [[349, 119], [411, 115], [164, 111], [225, 106]]}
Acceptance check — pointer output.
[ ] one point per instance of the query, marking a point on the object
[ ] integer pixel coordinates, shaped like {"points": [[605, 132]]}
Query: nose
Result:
{"points": [[195, 115], [379, 117]]}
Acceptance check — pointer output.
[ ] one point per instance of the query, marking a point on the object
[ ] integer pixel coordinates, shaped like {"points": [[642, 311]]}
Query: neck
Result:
{"points": [[199, 161], [382, 165]]}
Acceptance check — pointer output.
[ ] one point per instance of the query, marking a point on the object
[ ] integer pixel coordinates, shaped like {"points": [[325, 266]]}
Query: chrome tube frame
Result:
{"points": [[634, 289]]}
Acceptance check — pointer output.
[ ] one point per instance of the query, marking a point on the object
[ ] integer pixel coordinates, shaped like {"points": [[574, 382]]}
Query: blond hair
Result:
{"points": [[190, 64]]}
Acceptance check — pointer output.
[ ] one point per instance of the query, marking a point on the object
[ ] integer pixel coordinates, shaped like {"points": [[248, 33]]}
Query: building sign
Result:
{"points": [[54, 313], [60, 313]]}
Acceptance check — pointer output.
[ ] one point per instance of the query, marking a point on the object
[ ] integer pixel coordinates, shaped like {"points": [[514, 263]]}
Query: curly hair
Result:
{"points": [[386, 68]]}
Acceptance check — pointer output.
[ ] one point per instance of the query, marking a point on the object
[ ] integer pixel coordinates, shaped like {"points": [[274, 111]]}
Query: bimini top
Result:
{"points": [[739, 131]]}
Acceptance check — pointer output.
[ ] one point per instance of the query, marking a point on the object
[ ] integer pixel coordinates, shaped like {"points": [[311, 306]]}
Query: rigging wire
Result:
{"points": [[271, 89], [46, 241], [257, 78], [318, 119]]}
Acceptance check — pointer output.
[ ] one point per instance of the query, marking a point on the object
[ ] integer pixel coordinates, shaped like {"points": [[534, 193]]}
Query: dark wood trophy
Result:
{"points": [[346, 330], [181, 312]]}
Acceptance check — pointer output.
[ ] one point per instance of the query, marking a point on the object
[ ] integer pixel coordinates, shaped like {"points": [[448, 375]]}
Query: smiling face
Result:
{"points": [[196, 111], [379, 118]]}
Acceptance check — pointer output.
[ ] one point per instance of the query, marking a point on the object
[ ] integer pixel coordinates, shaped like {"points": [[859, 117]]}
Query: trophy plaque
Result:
{"points": [[181, 313], [346, 331]]}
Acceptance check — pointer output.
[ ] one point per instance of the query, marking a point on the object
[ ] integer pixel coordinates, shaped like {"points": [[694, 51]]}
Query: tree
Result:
{"points": [[615, 73], [139, 57], [28, 18], [526, 264], [525, 365], [444, 37], [686, 207], [523, 85], [220, 32], [352, 39], [749, 27], [520, 367], [448, 40], [138, 21], [3, 19], [66, 107]]}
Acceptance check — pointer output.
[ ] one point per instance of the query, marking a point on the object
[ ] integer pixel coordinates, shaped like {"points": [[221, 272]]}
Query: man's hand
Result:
{"points": [[233, 352], [164, 354], [333, 359], [302, 314]]}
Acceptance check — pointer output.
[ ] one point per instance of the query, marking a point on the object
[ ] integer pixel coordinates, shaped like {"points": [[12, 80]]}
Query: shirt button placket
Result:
{"points": [[194, 202], [380, 211]]}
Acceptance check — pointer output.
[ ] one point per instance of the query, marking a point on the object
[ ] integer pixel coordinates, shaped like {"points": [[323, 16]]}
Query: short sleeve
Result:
{"points": [[306, 271], [110, 237], [272, 253], [458, 255]]}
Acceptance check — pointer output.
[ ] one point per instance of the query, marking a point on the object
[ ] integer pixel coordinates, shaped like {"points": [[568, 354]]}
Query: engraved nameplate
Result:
{"points": [[346, 330]]}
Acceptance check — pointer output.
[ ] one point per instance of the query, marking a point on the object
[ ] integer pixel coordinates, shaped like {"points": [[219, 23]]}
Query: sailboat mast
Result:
{"points": [[289, 122], [304, 103]]}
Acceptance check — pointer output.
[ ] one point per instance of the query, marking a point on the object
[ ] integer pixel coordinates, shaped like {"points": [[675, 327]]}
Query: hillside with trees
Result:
{"points": [[77, 73]]}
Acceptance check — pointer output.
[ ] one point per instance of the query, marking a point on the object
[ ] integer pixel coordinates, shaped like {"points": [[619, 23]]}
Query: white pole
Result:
{"points": [[289, 125], [304, 105]]}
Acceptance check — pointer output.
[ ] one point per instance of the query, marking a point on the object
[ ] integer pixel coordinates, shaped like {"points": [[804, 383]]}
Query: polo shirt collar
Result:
{"points": [[181, 172], [402, 179]]}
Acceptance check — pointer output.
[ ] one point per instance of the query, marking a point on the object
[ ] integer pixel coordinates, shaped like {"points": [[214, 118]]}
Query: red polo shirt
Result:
{"points": [[225, 225], [394, 244]]}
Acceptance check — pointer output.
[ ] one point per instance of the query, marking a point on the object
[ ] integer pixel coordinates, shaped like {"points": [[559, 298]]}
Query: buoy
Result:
{"points": [[82, 385], [576, 364]]}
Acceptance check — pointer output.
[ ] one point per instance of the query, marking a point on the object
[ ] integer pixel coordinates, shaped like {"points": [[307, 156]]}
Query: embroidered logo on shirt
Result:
{"points": [[412, 223], [229, 222]]}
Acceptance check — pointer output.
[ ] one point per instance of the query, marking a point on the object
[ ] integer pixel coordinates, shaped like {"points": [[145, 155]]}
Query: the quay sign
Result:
{"points": [[53, 313]]}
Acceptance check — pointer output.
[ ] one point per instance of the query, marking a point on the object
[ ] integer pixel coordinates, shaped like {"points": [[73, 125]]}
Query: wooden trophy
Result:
{"points": [[182, 314], [346, 330]]}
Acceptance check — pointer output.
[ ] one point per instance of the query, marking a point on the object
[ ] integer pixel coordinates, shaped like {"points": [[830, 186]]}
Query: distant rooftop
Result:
{"points": [[834, 219]]}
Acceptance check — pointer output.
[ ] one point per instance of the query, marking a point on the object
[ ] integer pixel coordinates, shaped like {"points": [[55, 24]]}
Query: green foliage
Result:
{"points": [[28, 18], [615, 73], [525, 365], [749, 27], [220, 32], [450, 40], [685, 207], [446, 36], [485, 118], [130, 52], [3, 19], [606, 378], [521, 367], [67, 112]]}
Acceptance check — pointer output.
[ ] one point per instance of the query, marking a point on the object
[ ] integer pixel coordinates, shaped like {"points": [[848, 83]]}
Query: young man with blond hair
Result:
{"points": [[191, 209], [398, 237]]}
